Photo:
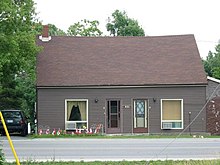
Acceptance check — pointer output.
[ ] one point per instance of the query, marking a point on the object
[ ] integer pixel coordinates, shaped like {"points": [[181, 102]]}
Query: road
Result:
{"points": [[112, 149]]}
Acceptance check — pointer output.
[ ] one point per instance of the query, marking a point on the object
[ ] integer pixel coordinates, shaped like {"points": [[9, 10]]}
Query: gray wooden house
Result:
{"points": [[127, 84]]}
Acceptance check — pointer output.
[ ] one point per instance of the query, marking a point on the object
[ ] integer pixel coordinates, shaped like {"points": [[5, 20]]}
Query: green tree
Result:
{"points": [[212, 63], [17, 54], [207, 64], [53, 30], [121, 25], [84, 28]]}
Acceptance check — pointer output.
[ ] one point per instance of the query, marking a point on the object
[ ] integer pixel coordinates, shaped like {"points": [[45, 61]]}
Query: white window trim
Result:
{"points": [[161, 101], [86, 121]]}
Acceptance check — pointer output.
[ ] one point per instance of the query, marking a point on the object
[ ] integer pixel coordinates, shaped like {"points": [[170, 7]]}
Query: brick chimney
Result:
{"points": [[45, 34]]}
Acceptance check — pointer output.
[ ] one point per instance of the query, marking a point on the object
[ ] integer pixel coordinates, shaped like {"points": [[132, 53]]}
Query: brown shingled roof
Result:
{"points": [[82, 61]]}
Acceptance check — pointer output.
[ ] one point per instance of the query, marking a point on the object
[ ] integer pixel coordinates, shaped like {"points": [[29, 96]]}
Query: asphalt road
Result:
{"points": [[112, 149]]}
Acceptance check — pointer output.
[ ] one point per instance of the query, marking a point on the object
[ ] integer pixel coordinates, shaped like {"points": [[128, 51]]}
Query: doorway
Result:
{"points": [[113, 116], [140, 116]]}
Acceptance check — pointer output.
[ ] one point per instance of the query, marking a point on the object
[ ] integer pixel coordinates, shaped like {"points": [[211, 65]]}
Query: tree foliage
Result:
{"points": [[85, 28], [121, 25], [53, 29], [212, 63], [17, 54]]}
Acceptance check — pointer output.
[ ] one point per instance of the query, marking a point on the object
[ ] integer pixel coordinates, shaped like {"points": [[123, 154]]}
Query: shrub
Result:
{"points": [[2, 157]]}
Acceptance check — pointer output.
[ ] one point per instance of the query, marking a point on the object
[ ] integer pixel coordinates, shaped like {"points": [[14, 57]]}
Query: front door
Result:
{"points": [[140, 116], [113, 116]]}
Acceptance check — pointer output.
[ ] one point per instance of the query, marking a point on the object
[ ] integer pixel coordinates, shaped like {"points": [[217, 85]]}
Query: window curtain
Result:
{"points": [[79, 106]]}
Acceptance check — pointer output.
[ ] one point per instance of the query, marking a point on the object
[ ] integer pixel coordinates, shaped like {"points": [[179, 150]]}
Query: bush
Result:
{"points": [[2, 157]]}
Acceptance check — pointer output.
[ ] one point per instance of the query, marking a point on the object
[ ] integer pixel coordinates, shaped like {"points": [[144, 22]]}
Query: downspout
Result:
{"points": [[132, 116], [36, 112]]}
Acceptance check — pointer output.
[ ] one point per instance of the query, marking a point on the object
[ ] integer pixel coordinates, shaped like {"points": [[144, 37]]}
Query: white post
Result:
{"points": [[29, 128]]}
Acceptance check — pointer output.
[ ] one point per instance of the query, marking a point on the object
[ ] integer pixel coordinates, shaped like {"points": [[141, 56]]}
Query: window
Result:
{"points": [[76, 114], [171, 114]]}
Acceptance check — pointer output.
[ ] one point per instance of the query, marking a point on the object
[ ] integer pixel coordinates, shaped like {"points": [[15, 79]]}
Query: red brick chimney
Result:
{"points": [[45, 34], [45, 31]]}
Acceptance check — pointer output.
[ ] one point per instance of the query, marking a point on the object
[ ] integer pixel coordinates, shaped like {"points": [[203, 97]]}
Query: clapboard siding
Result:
{"points": [[212, 89], [51, 105]]}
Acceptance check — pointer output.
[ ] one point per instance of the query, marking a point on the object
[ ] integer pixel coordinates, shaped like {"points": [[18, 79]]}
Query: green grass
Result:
{"points": [[167, 162], [97, 136]]}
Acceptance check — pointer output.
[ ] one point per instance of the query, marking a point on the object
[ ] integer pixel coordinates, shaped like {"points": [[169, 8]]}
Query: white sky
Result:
{"points": [[157, 17]]}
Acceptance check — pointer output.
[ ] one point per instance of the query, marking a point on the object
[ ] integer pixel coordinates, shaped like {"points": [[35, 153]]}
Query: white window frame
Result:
{"points": [[161, 105], [72, 122]]}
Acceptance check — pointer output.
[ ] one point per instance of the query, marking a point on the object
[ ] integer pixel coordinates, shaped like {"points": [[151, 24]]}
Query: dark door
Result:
{"points": [[113, 116], [140, 116]]}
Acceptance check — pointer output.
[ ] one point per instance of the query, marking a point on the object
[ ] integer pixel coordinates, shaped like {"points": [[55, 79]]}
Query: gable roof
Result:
{"points": [[103, 61]]}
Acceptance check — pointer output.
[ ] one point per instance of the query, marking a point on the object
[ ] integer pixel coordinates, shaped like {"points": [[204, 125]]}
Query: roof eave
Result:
{"points": [[125, 86]]}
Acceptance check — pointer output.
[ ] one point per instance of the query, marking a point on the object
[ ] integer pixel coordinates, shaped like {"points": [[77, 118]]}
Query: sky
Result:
{"points": [[156, 17]]}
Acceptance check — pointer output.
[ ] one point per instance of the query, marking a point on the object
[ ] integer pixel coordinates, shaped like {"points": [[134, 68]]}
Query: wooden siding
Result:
{"points": [[212, 87], [51, 105]]}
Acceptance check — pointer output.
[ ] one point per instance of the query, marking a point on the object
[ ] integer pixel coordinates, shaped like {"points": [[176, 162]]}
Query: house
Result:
{"points": [[213, 106], [126, 84]]}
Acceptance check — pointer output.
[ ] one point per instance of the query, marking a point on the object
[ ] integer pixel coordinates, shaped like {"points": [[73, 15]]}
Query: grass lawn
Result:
{"points": [[167, 162], [121, 136]]}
